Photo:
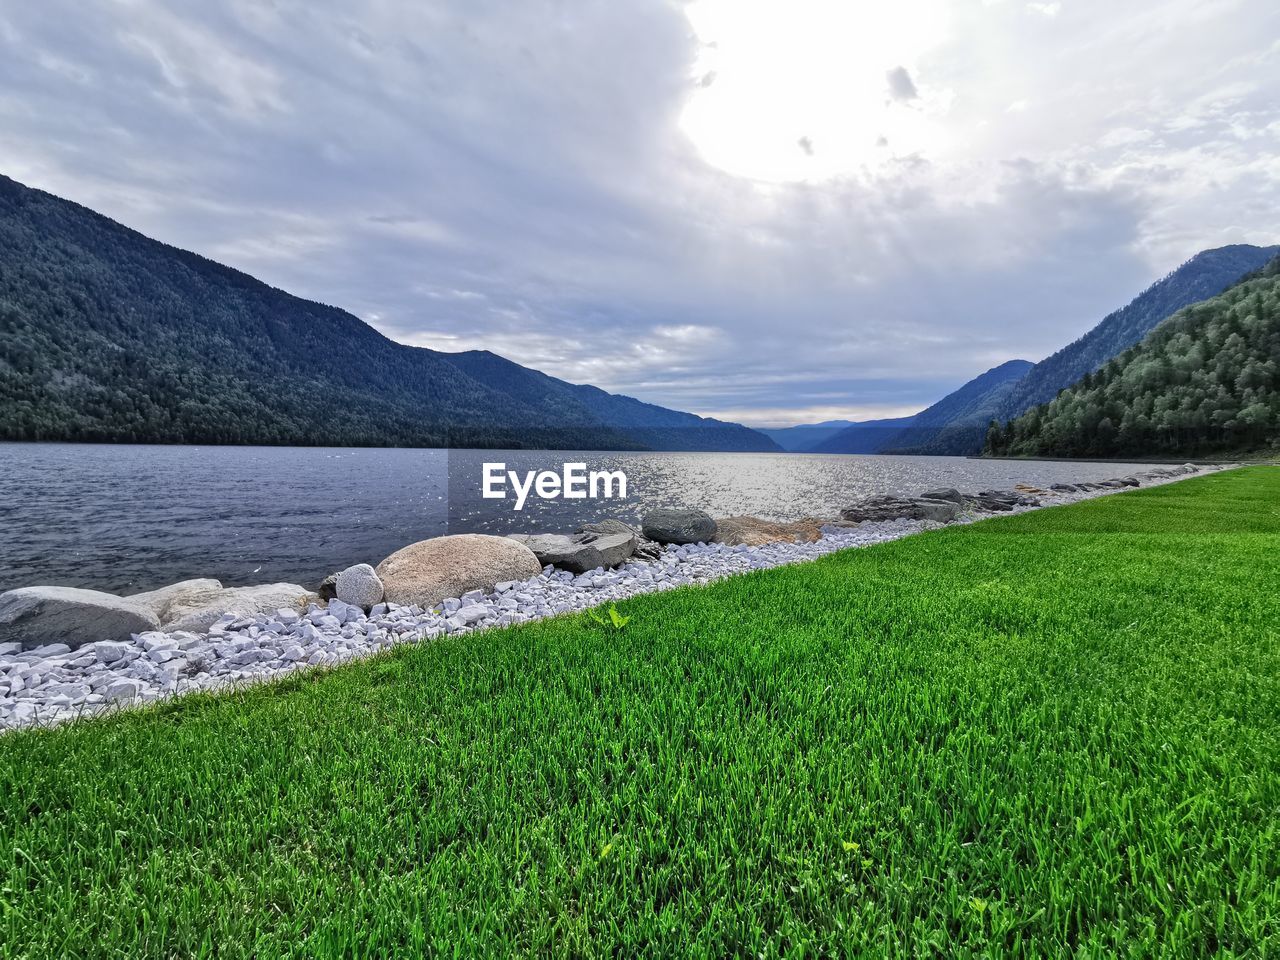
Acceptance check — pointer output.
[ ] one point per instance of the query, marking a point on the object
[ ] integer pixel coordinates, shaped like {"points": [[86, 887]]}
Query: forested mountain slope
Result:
{"points": [[1205, 275], [1205, 381], [107, 335], [945, 430]]}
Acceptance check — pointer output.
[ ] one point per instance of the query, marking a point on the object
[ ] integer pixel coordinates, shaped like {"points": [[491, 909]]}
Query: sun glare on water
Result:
{"points": [[809, 90]]}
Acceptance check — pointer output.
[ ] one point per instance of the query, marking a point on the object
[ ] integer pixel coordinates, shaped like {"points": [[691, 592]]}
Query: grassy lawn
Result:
{"points": [[1047, 735]]}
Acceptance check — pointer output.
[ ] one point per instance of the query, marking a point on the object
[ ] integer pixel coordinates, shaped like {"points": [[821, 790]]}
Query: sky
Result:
{"points": [[770, 211]]}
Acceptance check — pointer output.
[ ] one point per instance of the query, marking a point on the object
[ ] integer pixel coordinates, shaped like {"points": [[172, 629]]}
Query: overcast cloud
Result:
{"points": [[767, 211]]}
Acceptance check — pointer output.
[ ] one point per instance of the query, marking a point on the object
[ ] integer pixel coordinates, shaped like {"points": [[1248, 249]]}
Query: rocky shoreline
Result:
{"points": [[67, 653]]}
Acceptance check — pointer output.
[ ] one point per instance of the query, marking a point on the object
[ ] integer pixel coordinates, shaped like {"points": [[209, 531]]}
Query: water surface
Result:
{"points": [[125, 518]]}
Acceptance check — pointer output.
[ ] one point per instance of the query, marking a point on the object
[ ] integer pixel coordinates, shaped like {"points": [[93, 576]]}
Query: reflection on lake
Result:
{"points": [[126, 518]]}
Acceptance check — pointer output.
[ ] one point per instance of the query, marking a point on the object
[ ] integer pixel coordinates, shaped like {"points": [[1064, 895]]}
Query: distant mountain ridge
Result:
{"points": [[864, 436], [958, 418], [803, 436], [108, 335], [1205, 381]]}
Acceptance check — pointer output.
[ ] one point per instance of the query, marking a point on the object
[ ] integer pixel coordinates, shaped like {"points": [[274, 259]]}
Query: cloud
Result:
{"points": [[901, 87], [517, 177]]}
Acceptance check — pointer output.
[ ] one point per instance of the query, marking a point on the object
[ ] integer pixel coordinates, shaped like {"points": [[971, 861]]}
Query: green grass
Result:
{"points": [[1046, 735]]}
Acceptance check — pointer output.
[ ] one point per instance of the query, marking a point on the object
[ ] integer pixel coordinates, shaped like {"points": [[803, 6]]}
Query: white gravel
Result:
{"points": [[52, 684]]}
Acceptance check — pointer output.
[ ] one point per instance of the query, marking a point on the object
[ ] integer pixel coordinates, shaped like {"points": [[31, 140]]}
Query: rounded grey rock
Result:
{"points": [[427, 572], [359, 585], [943, 511], [679, 526], [944, 493], [34, 616]]}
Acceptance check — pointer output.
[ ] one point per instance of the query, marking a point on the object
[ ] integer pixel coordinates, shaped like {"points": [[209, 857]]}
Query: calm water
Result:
{"points": [[129, 518]]}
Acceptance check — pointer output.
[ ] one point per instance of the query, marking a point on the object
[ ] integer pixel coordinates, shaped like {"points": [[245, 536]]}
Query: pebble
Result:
{"points": [[109, 651], [126, 688]]}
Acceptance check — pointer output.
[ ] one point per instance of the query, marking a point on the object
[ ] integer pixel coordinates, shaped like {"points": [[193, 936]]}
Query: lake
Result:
{"points": [[126, 518]]}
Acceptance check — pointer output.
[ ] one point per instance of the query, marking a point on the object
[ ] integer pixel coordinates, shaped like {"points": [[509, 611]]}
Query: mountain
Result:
{"points": [[107, 335], [804, 436], [956, 425], [1205, 275], [956, 421], [655, 427], [1205, 381], [860, 436]]}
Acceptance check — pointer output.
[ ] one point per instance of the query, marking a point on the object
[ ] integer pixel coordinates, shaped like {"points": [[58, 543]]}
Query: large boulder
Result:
{"points": [[614, 548], [944, 493], [1002, 501], [679, 526], [173, 601], [601, 527], [240, 602], [942, 511], [432, 570], [891, 507], [582, 551], [359, 586], [35, 616], [641, 547], [615, 540], [562, 551], [754, 532], [883, 507]]}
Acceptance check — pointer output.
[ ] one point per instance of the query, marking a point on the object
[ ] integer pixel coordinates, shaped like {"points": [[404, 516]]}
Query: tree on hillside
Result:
{"points": [[1207, 380]]}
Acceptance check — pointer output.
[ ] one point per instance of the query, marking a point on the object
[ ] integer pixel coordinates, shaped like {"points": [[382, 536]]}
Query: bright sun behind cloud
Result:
{"points": [[813, 89]]}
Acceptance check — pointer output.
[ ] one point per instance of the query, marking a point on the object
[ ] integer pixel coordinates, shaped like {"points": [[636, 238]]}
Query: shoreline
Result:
{"points": [[249, 516], [50, 685], [1243, 460]]}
